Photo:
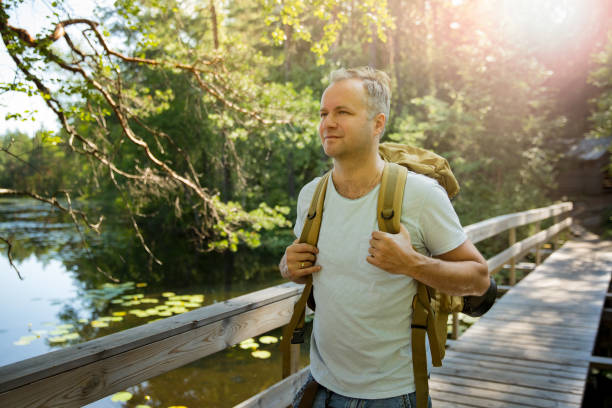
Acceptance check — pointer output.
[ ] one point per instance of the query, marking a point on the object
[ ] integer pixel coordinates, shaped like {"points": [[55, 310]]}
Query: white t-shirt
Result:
{"points": [[360, 345]]}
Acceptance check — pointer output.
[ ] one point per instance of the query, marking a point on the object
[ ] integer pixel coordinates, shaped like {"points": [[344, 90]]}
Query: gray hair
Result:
{"points": [[375, 83]]}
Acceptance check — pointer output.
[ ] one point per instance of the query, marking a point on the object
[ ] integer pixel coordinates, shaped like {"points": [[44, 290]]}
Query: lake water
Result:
{"points": [[53, 307]]}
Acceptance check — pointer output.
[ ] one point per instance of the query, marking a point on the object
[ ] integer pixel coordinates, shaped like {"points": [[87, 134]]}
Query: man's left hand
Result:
{"points": [[393, 252]]}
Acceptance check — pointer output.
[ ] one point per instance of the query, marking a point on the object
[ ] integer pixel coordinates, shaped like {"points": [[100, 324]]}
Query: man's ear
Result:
{"points": [[379, 124]]}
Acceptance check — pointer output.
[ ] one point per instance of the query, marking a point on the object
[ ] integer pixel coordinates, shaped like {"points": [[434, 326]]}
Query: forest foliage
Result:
{"points": [[195, 122]]}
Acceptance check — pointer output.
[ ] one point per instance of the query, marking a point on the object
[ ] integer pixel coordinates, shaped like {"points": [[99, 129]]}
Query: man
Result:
{"points": [[364, 279]]}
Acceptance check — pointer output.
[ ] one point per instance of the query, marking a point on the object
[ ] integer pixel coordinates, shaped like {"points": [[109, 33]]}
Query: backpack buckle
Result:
{"points": [[311, 216], [298, 336], [387, 213]]}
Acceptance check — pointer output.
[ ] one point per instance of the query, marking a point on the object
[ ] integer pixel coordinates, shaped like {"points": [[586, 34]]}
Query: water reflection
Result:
{"points": [[64, 299]]}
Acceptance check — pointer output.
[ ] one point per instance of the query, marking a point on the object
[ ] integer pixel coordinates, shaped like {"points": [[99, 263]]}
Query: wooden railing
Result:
{"points": [[81, 374]]}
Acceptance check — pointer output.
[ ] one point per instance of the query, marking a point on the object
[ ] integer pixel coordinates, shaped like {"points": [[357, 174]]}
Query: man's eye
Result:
{"points": [[323, 114], [344, 112]]}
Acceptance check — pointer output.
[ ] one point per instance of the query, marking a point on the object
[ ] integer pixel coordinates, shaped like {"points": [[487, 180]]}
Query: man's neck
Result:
{"points": [[356, 178]]}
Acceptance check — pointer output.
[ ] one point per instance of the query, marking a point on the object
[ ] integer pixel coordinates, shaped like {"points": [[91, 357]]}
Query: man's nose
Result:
{"points": [[329, 121]]}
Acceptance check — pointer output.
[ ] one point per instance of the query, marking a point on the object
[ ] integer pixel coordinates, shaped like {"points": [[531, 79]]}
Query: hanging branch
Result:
{"points": [[53, 202], [9, 256]]}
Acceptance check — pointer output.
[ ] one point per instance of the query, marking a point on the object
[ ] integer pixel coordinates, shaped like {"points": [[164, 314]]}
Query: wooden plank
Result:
{"points": [[531, 343], [559, 398], [87, 383], [522, 266], [437, 396], [517, 326], [501, 393], [500, 318], [601, 362], [519, 365], [280, 395], [524, 380], [532, 334], [36, 368], [579, 359], [526, 363], [510, 366]]}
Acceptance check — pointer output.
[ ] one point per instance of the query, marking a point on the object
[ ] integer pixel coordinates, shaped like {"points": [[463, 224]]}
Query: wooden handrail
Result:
{"points": [[485, 229], [86, 372]]}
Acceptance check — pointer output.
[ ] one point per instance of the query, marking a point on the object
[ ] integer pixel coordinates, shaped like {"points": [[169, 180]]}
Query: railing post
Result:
{"points": [[538, 254], [455, 333], [294, 360], [556, 236], [512, 241]]}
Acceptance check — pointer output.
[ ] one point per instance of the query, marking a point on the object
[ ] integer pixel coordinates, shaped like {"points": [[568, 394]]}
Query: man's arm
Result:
{"points": [[462, 271]]}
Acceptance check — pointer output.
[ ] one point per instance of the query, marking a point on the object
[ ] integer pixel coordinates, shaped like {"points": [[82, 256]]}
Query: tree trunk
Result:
{"points": [[215, 26]]}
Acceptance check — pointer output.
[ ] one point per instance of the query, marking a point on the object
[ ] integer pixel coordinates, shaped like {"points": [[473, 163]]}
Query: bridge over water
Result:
{"points": [[532, 349]]}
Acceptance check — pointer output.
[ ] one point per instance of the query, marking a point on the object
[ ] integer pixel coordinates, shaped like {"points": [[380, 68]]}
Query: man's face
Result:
{"points": [[345, 128]]}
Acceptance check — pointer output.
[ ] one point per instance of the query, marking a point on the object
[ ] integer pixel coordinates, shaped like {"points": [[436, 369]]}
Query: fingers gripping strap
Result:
{"points": [[390, 196], [310, 235]]}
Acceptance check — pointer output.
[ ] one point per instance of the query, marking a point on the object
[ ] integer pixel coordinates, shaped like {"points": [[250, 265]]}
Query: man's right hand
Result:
{"points": [[298, 262]]}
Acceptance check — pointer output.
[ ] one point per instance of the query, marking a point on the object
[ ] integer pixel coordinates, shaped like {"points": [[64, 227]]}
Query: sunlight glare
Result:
{"points": [[551, 20]]}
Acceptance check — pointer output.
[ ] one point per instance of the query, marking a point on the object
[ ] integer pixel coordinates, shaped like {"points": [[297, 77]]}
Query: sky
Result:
{"points": [[31, 16]]}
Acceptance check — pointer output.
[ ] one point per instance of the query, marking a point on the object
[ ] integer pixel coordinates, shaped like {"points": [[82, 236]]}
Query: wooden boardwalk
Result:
{"points": [[534, 346]]}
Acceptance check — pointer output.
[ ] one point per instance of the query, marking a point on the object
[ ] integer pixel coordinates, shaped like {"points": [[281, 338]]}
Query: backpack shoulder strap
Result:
{"points": [[312, 223], [389, 213], [293, 332], [390, 197]]}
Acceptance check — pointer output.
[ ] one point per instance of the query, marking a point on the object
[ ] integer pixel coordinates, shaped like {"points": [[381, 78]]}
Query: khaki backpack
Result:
{"points": [[430, 307]]}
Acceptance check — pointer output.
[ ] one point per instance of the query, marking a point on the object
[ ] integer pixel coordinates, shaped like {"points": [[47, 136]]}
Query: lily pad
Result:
{"points": [[57, 339], [263, 354], [249, 344], [122, 396], [142, 285], [25, 340], [97, 323], [72, 336], [168, 294], [268, 339]]}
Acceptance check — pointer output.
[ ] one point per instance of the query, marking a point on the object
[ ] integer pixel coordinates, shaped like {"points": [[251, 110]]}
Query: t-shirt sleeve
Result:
{"points": [[303, 204], [440, 225], [301, 214]]}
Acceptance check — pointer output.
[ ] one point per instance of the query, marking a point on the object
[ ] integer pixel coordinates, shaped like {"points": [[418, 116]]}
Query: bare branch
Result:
{"points": [[10, 258], [53, 201], [6, 150], [59, 32]]}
